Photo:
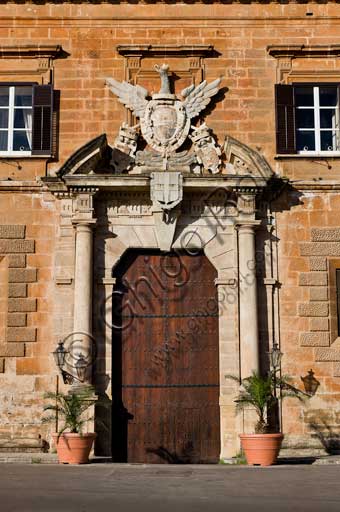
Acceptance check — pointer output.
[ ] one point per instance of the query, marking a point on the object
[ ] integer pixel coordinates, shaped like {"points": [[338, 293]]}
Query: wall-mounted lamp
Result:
{"points": [[275, 356], [310, 383], [60, 354], [80, 365]]}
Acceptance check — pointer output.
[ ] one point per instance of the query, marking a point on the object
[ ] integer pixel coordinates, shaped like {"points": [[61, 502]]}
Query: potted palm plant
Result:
{"points": [[259, 392], [72, 444]]}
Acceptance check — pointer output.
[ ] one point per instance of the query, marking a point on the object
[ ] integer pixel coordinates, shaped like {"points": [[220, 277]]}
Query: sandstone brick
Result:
{"points": [[16, 246], [17, 260], [12, 349], [318, 293], [313, 309], [22, 305], [22, 275], [313, 279], [12, 231], [336, 373], [314, 339], [21, 334], [317, 263], [32, 366], [320, 248], [2, 365], [319, 324], [17, 290], [327, 354], [16, 319], [325, 235]]}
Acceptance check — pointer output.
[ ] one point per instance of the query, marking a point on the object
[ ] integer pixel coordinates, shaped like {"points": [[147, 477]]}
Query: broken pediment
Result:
{"points": [[94, 155], [241, 160]]}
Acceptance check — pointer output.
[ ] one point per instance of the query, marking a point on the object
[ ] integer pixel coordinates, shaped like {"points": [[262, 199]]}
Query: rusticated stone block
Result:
{"points": [[318, 263], [313, 309], [2, 365], [22, 275], [12, 231], [17, 260], [32, 366], [21, 334], [22, 305], [327, 354], [16, 319], [320, 248], [314, 339], [17, 290], [318, 293], [319, 324], [313, 279], [12, 349], [15, 246], [325, 235]]}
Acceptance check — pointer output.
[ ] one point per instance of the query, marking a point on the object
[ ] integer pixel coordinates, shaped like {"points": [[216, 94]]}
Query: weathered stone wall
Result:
{"points": [[36, 308], [27, 234]]}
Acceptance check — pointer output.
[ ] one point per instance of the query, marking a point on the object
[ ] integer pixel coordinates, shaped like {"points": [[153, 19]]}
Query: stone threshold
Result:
{"points": [[51, 458]]}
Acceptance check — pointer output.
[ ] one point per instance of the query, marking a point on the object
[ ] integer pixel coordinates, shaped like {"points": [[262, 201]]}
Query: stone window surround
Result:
{"points": [[285, 74]]}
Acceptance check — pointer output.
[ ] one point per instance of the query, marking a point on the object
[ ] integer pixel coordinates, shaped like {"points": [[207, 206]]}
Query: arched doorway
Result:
{"points": [[165, 367]]}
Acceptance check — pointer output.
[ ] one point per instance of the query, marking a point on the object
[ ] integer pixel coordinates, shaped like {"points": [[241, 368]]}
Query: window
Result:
{"points": [[16, 120], [317, 119], [307, 119], [25, 120]]}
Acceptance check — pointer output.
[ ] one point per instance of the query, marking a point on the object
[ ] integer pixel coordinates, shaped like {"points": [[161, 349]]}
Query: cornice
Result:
{"points": [[301, 50], [151, 50], [31, 50]]}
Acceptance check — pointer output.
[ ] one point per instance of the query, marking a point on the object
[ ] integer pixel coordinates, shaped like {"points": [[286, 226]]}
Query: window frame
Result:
{"points": [[11, 108], [317, 130]]}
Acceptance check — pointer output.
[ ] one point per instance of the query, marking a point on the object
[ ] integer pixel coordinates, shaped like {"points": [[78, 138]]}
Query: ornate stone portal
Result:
{"points": [[182, 192]]}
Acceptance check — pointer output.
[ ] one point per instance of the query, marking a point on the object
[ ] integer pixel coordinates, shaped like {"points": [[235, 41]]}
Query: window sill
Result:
{"points": [[309, 156], [22, 156]]}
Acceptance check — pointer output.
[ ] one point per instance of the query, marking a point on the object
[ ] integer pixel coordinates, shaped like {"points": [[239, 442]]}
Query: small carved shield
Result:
{"points": [[165, 125], [166, 189]]}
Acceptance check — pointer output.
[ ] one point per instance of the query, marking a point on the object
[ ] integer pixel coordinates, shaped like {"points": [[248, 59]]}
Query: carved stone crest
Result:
{"points": [[165, 123]]}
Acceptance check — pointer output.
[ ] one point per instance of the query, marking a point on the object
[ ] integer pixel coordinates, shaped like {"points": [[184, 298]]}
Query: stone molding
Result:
{"points": [[285, 54], [161, 50], [31, 50], [38, 60]]}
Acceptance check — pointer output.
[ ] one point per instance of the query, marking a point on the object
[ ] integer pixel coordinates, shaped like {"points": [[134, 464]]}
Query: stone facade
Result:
{"points": [[63, 227]]}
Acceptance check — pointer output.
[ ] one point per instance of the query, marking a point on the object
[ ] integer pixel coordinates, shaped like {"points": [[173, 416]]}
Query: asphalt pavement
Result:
{"points": [[141, 488]]}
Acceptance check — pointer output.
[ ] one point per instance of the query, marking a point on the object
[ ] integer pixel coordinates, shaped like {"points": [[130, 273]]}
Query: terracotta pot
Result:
{"points": [[73, 448], [261, 449]]}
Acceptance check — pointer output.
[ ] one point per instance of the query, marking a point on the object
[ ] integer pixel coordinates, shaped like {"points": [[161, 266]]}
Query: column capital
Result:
{"points": [[247, 225], [83, 224]]}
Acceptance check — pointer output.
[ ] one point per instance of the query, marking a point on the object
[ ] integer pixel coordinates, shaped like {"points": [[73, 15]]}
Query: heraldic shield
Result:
{"points": [[165, 125], [166, 189]]}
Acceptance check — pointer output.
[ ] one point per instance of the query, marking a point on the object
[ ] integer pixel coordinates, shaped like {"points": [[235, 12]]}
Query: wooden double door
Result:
{"points": [[165, 376]]}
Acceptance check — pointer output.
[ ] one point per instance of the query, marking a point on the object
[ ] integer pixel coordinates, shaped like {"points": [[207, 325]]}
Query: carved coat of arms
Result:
{"points": [[166, 123]]}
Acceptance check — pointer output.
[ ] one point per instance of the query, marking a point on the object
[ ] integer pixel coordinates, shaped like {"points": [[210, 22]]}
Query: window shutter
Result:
{"points": [[285, 119], [42, 120]]}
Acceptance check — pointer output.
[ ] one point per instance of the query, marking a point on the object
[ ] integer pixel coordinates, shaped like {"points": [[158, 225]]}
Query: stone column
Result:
{"points": [[249, 337], [82, 320]]}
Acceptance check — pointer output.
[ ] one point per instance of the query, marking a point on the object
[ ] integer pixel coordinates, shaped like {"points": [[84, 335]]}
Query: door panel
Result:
{"points": [[165, 360]]}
